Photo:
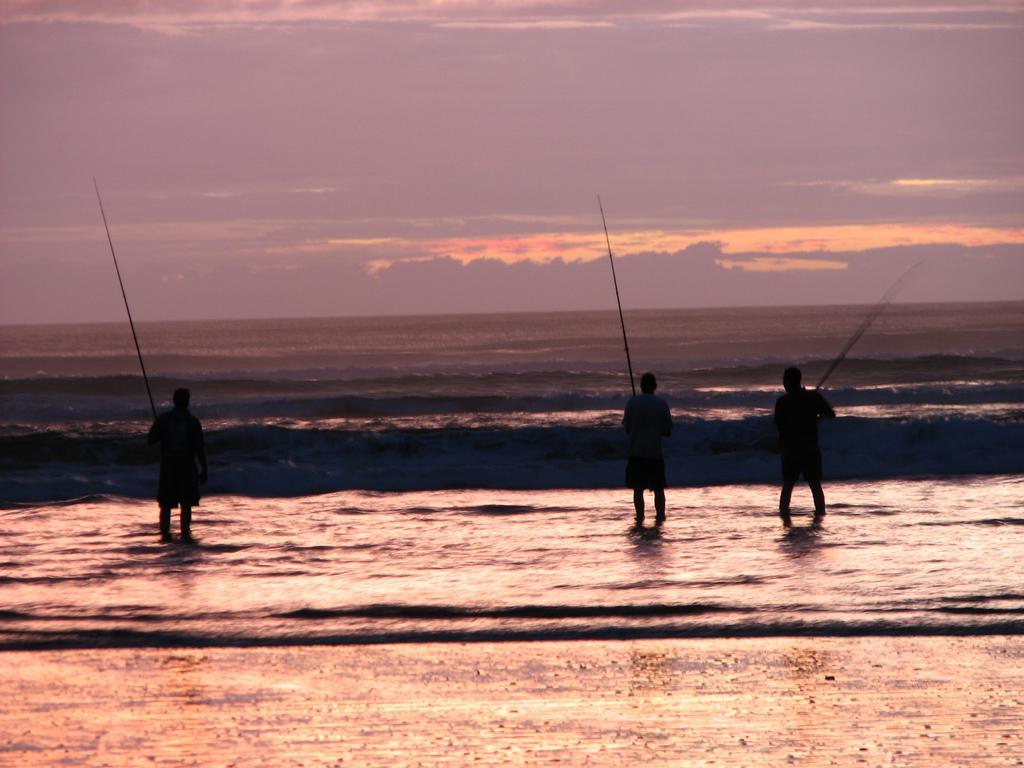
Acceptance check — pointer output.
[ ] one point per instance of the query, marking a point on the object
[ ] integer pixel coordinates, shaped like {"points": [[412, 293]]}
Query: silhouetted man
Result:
{"points": [[647, 420], [181, 445], [796, 417]]}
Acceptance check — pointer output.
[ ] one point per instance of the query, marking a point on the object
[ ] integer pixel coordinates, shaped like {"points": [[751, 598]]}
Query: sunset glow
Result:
{"points": [[581, 247], [390, 148], [574, 246], [511, 382]]}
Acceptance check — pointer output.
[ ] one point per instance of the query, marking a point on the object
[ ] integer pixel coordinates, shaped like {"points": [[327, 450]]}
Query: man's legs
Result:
{"points": [[790, 474], [784, 497], [813, 476], [186, 521], [638, 505], [165, 522], [819, 499], [659, 505]]}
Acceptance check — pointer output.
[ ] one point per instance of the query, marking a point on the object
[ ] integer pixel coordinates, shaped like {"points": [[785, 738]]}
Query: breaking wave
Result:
{"points": [[281, 460]]}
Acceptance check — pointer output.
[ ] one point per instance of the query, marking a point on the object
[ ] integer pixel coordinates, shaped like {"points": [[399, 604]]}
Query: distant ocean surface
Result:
{"points": [[460, 478], [531, 401]]}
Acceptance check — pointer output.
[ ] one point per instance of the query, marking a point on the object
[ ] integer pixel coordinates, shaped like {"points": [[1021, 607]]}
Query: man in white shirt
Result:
{"points": [[647, 420]]}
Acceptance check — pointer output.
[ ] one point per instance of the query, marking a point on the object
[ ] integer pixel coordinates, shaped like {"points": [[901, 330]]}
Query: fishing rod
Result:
{"points": [[886, 299], [615, 282], [124, 295]]}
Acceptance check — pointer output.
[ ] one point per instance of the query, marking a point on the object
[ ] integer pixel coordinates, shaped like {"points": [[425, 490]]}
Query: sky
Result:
{"points": [[283, 158]]}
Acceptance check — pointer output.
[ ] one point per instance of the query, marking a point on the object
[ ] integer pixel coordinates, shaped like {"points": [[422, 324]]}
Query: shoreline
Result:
{"points": [[500, 637], [896, 700], [770, 489]]}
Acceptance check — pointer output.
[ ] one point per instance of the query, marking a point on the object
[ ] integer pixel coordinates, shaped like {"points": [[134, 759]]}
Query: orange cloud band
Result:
{"points": [[575, 246], [785, 244]]}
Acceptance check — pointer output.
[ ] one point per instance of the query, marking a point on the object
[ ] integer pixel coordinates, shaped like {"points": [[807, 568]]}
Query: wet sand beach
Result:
{"points": [[420, 553], [904, 701]]}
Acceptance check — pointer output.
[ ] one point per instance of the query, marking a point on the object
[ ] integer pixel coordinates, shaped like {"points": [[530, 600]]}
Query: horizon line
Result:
{"points": [[611, 310]]}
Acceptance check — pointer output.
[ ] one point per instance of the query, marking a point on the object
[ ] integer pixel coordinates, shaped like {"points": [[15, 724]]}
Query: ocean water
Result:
{"points": [[300, 407], [377, 480]]}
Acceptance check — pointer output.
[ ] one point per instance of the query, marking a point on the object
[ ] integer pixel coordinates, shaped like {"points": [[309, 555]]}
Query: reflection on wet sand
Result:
{"points": [[801, 541], [178, 681], [910, 701]]}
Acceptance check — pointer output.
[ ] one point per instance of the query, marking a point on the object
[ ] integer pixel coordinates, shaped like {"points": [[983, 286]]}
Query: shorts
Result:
{"points": [[642, 472], [179, 483], [806, 462]]}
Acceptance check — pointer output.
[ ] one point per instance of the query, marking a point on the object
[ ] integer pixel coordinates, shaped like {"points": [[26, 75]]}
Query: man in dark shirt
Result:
{"points": [[796, 417], [181, 445], [647, 419]]}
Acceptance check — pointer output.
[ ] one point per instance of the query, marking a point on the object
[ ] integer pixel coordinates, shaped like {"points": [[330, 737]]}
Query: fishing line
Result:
{"points": [[615, 282], [124, 295], [886, 299]]}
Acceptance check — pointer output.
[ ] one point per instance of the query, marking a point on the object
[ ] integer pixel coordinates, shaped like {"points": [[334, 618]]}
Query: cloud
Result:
{"points": [[387, 129], [854, 23], [777, 264], [549, 24], [177, 16], [588, 246], [272, 241], [698, 276], [924, 187], [384, 155]]}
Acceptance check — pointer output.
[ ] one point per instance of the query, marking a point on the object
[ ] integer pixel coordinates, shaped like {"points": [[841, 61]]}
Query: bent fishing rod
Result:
{"points": [[124, 295], [615, 282], [876, 310]]}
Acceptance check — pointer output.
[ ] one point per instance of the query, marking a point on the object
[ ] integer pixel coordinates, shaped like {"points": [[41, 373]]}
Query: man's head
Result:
{"points": [[181, 397], [648, 383], [791, 379]]}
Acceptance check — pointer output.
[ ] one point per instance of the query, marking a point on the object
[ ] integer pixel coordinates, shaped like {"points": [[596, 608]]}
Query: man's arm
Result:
{"points": [[627, 417], [666, 422], [204, 472], [156, 432], [824, 409]]}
